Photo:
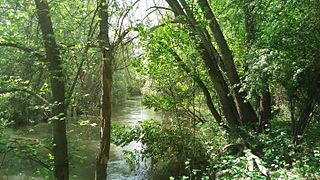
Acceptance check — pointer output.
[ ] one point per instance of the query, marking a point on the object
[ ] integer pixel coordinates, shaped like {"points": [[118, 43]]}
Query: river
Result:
{"points": [[86, 141]]}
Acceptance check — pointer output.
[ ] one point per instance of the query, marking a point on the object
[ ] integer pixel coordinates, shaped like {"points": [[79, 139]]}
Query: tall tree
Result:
{"points": [[111, 38], [60, 148], [211, 62], [106, 81], [245, 110], [236, 110]]}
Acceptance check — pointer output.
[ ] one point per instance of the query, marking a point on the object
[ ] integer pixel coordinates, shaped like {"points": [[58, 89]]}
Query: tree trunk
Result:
{"points": [[246, 112], [202, 86], [105, 133], [311, 101], [265, 109], [211, 59], [222, 90], [106, 78], [60, 148], [304, 118]]}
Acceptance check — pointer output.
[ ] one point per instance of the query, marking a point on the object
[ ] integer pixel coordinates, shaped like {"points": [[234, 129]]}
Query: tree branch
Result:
{"points": [[3, 91], [25, 49], [155, 8], [86, 49], [123, 15]]}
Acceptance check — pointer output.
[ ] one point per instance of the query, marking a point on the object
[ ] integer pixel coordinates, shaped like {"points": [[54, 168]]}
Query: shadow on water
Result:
{"points": [[86, 139]]}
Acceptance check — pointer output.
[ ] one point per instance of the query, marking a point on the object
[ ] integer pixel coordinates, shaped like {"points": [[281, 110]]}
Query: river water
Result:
{"points": [[86, 141]]}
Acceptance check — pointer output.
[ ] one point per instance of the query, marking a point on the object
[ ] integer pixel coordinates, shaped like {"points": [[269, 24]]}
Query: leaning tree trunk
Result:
{"points": [[310, 103], [106, 80], [211, 59], [201, 85], [60, 148], [246, 111]]}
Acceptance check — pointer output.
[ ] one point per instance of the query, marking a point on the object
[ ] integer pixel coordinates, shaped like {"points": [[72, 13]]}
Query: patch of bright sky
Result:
{"points": [[144, 8], [145, 13]]}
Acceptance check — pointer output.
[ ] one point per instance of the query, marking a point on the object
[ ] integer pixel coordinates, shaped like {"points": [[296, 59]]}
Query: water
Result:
{"points": [[86, 138]]}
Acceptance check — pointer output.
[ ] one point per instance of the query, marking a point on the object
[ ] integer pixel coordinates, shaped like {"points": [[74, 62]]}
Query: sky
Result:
{"points": [[143, 8]]}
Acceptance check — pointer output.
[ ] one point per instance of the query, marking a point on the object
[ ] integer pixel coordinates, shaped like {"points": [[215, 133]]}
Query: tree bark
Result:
{"points": [[106, 78], [211, 60], [304, 118], [222, 90], [60, 148], [246, 111]]}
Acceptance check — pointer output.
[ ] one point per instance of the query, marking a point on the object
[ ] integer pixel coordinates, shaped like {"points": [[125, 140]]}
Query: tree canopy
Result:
{"points": [[237, 83]]}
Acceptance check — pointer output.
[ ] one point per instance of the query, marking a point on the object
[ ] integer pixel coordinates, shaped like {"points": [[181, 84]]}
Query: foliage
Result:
{"points": [[25, 153], [16, 102], [170, 145], [167, 61], [4, 137]]}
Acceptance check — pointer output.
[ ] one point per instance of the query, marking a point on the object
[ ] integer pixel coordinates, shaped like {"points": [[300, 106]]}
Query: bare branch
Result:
{"points": [[123, 35], [123, 16], [155, 8], [86, 49]]}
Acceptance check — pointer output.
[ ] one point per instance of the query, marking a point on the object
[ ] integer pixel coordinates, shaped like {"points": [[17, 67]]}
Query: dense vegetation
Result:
{"points": [[238, 83]]}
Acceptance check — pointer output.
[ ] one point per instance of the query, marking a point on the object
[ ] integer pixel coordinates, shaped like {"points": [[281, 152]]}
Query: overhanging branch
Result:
{"points": [[3, 91], [23, 48]]}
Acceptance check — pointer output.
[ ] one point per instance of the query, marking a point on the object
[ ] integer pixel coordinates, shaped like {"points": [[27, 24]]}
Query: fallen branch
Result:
{"points": [[254, 160]]}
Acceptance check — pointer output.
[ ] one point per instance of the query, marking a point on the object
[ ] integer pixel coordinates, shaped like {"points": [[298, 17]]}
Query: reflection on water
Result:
{"points": [[130, 113]]}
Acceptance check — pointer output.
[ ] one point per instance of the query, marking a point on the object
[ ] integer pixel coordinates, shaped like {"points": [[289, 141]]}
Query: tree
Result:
{"points": [[106, 80], [235, 108], [60, 147], [285, 57], [109, 51]]}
